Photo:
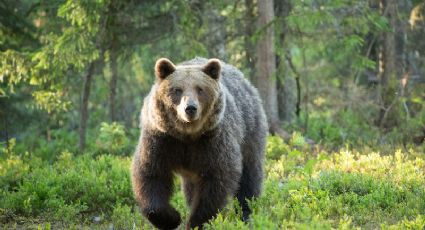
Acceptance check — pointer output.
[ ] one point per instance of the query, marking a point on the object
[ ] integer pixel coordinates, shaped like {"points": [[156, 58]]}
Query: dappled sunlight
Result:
{"points": [[338, 85]]}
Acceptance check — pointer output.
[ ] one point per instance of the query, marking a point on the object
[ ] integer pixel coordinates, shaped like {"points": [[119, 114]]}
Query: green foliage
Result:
{"points": [[12, 169], [112, 138], [124, 218], [298, 140], [60, 140], [276, 147], [418, 223], [13, 70], [8, 149], [46, 66], [47, 46], [346, 189], [69, 187], [345, 127], [50, 101]]}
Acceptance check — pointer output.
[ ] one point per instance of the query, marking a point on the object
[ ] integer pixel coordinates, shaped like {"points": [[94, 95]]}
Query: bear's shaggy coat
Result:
{"points": [[219, 153]]}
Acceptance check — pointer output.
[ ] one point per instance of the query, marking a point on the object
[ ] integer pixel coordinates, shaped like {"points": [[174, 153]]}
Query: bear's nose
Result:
{"points": [[190, 110]]}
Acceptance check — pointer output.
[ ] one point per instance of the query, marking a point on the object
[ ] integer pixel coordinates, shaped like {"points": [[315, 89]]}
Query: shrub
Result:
{"points": [[70, 186], [112, 138]]}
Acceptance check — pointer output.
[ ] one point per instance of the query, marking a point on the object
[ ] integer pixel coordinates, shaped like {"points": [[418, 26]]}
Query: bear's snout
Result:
{"points": [[191, 110], [188, 110]]}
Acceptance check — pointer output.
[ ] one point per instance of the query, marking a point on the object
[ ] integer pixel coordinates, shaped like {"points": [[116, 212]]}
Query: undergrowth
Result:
{"points": [[304, 189]]}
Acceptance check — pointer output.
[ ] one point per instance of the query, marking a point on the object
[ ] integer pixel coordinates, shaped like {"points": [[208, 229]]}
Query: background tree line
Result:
{"points": [[342, 71]]}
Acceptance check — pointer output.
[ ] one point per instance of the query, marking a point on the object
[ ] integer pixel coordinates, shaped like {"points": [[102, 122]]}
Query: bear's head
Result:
{"points": [[188, 97]]}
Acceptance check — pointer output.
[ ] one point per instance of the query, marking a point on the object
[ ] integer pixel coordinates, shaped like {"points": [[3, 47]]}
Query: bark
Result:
{"points": [[286, 95], [286, 83], [390, 62], [113, 83], [386, 54], [265, 79], [250, 18], [84, 115]]}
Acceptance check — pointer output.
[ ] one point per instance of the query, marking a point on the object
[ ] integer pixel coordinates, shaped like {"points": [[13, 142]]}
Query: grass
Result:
{"points": [[304, 189]]}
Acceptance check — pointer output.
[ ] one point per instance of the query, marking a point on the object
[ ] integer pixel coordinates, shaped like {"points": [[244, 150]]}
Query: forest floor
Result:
{"points": [[304, 189]]}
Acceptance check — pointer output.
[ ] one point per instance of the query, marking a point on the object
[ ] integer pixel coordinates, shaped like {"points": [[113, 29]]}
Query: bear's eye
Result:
{"points": [[199, 90], [177, 91]]}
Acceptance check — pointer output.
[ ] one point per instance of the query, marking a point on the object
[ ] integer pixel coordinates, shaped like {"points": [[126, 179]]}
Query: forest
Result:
{"points": [[342, 83]]}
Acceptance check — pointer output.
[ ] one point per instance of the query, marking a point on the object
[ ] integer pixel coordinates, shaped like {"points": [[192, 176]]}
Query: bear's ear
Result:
{"points": [[163, 68], [212, 68]]}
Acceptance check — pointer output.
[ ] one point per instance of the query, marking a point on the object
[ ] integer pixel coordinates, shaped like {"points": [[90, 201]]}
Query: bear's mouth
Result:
{"points": [[190, 118], [190, 125]]}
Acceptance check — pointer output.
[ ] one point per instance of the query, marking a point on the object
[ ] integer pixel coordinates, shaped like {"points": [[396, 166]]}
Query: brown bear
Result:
{"points": [[204, 121]]}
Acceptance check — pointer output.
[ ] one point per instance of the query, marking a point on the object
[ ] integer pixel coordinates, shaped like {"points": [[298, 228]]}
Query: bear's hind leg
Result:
{"points": [[249, 186]]}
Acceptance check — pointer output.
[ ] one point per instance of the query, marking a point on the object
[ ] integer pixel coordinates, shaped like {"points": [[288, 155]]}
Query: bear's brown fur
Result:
{"points": [[204, 121]]}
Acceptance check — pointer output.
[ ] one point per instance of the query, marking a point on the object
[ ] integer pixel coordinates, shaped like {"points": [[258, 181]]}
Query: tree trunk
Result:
{"points": [[113, 83], [387, 60], [84, 105], [286, 95], [249, 33], [287, 89], [389, 68], [292, 91], [266, 66]]}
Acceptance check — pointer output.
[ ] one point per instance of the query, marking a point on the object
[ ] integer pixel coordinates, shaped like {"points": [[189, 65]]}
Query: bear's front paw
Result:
{"points": [[164, 219]]}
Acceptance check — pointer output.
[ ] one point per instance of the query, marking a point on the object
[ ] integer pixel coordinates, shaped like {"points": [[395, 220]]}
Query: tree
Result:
{"points": [[84, 113], [288, 84], [265, 79], [249, 46], [119, 30], [391, 63]]}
